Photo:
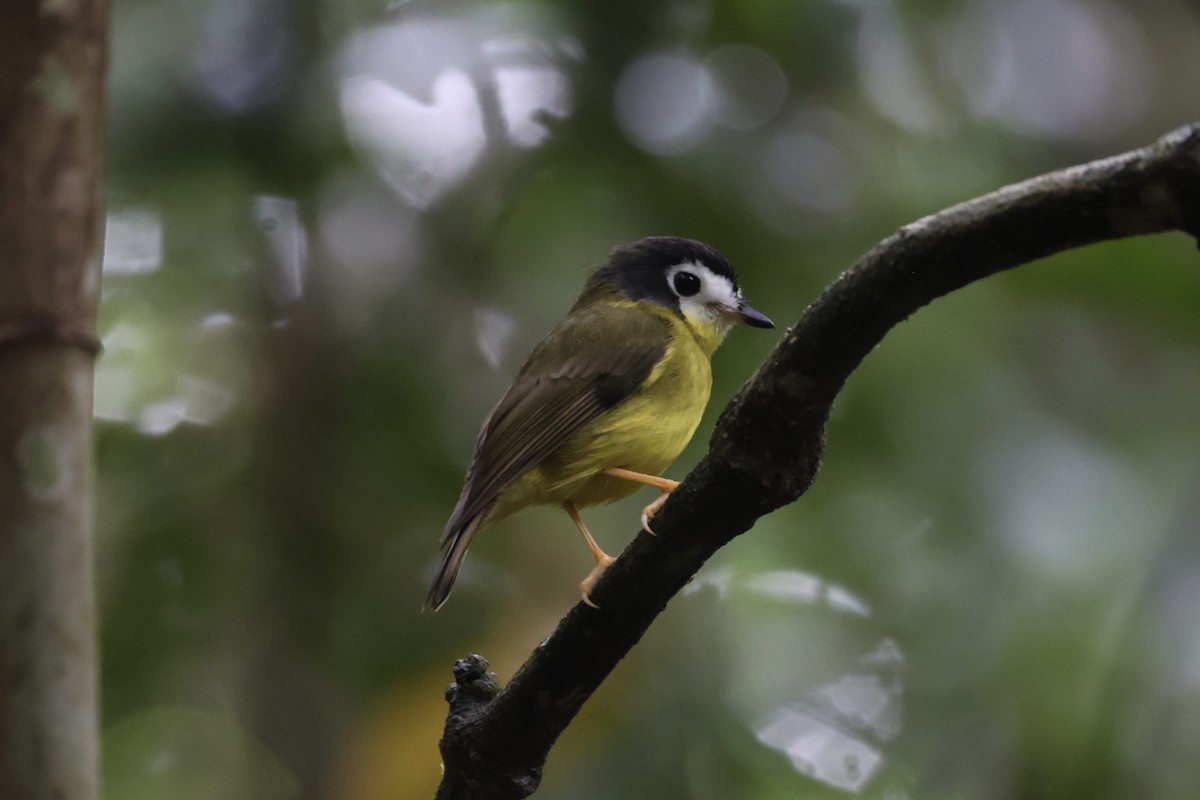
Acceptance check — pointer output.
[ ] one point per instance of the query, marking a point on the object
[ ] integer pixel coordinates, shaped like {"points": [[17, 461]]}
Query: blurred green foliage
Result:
{"points": [[336, 229]]}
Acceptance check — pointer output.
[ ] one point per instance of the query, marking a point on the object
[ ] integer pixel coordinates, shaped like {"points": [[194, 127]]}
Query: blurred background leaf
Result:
{"points": [[335, 230]]}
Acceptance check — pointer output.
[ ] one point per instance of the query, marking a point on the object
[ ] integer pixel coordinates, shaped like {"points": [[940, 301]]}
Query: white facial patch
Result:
{"points": [[715, 300]]}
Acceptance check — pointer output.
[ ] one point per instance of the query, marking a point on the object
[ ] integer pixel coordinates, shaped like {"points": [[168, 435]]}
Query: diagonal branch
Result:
{"points": [[766, 449]]}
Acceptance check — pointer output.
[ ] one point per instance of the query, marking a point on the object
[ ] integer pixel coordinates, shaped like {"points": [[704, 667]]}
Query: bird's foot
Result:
{"points": [[588, 583], [664, 485], [649, 511]]}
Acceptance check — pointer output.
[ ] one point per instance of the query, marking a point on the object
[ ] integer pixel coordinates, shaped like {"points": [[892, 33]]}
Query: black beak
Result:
{"points": [[754, 318]]}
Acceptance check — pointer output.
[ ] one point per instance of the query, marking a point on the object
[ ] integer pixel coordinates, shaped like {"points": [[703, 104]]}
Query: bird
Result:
{"points": [[607, 400]]}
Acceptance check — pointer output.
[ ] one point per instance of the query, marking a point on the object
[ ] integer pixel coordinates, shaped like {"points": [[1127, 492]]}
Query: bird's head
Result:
{"points": [[683, 275]]}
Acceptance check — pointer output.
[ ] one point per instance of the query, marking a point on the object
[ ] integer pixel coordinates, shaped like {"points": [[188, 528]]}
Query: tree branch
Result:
{"points": [[766, 448]]}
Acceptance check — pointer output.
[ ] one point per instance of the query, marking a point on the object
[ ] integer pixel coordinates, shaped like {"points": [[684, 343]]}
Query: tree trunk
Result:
{"points": [[53, 60]]}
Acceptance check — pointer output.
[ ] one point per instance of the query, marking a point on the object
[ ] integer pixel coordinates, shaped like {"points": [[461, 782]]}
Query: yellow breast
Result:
{"points": [[644, 433]]}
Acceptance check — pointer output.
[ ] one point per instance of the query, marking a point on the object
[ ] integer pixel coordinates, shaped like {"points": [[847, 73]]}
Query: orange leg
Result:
{"points": [[664, 485], [603, 559]]}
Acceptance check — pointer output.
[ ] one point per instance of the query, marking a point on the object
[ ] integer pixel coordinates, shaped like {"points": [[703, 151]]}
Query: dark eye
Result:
{"points": [[686, 284]]}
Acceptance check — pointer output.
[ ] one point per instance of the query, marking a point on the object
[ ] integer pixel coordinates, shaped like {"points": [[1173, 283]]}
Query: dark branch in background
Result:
{"points": [[766, 449]]}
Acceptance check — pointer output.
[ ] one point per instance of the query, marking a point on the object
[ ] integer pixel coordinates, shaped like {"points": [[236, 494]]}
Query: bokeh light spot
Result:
{"points": [[662, 103], [133, 242], [749, 86]]}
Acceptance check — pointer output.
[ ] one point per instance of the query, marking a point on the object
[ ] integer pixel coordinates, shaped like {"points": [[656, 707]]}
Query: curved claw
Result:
{"points": [[586, 585], [649, 511]]}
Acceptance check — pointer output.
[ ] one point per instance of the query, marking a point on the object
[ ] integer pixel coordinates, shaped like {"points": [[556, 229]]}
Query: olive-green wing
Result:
{"points": [[589, 363]]}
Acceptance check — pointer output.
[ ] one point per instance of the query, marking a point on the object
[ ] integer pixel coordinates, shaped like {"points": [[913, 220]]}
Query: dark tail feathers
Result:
{"points": [[447, 572]]}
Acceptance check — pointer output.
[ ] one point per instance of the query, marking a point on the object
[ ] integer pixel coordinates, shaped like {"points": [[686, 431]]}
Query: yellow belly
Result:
{"points": [[644, 433]]}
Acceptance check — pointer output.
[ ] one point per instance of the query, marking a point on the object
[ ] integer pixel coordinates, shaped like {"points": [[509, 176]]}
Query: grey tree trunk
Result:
{"points": [[53, 61]]}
